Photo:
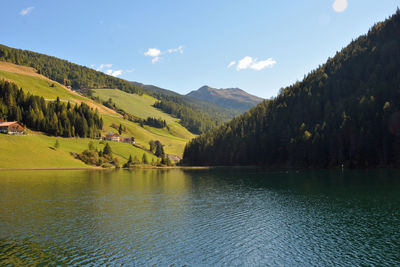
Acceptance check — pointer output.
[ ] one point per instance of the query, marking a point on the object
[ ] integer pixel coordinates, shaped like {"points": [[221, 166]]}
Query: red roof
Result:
{"points": [[112, 134], [8, 123]]}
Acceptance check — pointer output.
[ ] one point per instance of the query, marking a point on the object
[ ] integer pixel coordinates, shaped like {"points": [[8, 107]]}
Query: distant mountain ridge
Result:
{"points": [[214, 110], [235, 98], [196, 115]]}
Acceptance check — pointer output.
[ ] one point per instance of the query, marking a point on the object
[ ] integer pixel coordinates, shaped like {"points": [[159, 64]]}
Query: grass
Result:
{"points": [[139, 106], [172, 144], [37, 151]]}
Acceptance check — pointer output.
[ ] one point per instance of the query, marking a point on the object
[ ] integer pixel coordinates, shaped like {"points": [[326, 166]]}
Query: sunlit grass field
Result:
{"points": [[37, 151]]}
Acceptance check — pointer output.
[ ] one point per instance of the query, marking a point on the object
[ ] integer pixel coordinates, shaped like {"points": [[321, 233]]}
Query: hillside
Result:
{"points": [[37, 84], [345, 112], [234, 98], [64, 72], [38, 146]]}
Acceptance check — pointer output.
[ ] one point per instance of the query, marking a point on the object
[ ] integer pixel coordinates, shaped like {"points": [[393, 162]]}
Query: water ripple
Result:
{"points": [[207, 218]]}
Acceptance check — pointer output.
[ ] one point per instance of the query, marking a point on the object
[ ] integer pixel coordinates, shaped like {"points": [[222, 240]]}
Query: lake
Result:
{"points": [[249, 217]]}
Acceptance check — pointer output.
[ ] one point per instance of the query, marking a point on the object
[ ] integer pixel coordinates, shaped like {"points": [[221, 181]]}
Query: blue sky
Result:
{"points": [[259, 46]]}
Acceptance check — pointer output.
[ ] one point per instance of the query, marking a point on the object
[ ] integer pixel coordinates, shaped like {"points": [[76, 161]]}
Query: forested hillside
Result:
{"points": [[344, 112], [55, 118]]}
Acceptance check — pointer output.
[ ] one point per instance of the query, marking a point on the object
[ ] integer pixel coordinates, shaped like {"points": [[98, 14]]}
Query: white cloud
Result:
{"points": [[107, 69], [340, 5], [253, 63], [231, 63], [260, 65], [102, 66], [26, 11], [244, 63], [156, 53], [114, 73], [152, 52]]}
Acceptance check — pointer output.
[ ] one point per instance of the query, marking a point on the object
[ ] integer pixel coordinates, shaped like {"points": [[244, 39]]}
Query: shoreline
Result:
{"points": [[105, 169], [192, 168]]}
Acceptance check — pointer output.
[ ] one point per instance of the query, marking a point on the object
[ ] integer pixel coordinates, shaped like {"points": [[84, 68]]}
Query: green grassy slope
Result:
{"points": [[139, 106], [36, 151], [174, 136], [172, 144], [39, 85]]}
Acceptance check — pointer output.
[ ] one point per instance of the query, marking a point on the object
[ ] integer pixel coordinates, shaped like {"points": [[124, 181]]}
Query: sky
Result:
{"points": [[257, 45]]}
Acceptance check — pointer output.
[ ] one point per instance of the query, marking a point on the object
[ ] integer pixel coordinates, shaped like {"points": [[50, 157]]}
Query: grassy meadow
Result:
{"points": [[37, 151]]}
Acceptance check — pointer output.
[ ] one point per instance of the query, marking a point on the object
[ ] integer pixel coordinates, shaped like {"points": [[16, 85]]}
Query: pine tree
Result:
{"points": [[91, 145], [57, 144], [130, 161], [107, 150], [144, 159], [159, 150]]}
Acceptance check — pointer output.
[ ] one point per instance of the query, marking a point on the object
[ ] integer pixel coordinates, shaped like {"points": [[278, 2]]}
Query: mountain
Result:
{"points": [[196, 115], [344, 113], [213, 110], [228, 98]]}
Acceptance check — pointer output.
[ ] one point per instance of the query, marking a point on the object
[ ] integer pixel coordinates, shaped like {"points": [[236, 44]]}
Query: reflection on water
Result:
{"points": [[206, 217]]}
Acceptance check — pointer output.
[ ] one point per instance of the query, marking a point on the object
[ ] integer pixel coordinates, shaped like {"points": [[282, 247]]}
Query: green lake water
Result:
{"points": [[232, 217]]}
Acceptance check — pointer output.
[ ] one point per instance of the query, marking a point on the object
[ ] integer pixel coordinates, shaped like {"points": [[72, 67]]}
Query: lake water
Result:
{"points": [[200, 217]]}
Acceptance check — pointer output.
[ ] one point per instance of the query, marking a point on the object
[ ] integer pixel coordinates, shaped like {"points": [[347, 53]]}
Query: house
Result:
{"points": [[112, 137], [130, 140], [11, 127]]}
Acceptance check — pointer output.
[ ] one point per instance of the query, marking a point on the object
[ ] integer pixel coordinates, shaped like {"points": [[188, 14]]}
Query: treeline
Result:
{"points": [[54, 118], [64, 72], [153, 122], [195, 122], [345, 112]]}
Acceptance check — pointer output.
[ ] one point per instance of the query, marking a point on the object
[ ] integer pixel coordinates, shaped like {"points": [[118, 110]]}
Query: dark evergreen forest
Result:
{"points": [[195, 121], [54, 118], [347, 111]]}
